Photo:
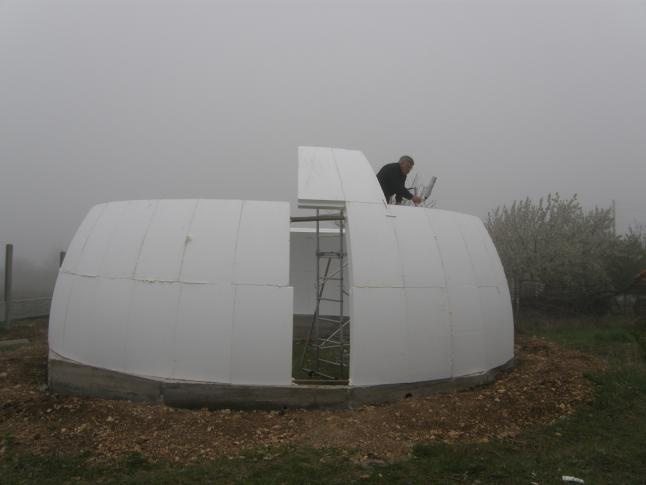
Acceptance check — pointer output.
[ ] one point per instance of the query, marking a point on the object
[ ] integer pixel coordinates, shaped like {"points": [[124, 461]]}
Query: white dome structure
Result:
{"points": [[190, 302]]}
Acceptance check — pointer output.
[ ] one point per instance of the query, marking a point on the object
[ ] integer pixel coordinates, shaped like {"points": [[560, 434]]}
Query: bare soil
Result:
{"points": [[547, 383]]}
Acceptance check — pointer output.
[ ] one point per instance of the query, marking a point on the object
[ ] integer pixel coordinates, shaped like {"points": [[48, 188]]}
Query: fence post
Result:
{"points": [[8, 269]]}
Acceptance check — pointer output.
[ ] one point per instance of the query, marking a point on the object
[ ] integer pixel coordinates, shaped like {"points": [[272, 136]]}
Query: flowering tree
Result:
{"points": [[557, 245]]}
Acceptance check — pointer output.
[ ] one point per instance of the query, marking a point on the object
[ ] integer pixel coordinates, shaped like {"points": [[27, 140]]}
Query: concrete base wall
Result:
{"points": [[67, 377]]}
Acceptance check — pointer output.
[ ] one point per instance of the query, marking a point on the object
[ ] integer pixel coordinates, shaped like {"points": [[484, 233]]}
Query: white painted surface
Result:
{"points": [[211, 242], [75, 249], [162, 251], [358, 179], [151, 328], [126, 241], [428, 334], [330, 177], [318, 177], [378, 341], [198, 290], [98, 241], [262, 253], [58, 309], [151, 288], [261, 344], [110, 322], [77, 334], [373, 247], [420, 258], [202, 342], [447, 315]]}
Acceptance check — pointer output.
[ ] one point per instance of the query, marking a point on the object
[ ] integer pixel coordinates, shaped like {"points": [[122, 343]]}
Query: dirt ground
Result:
{"points": [[547, 383]]}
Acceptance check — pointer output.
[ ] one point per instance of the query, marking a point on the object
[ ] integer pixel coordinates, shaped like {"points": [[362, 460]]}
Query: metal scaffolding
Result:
{"points": [[326, 353]]}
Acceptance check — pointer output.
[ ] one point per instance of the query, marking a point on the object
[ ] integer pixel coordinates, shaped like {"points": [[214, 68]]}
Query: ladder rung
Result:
{"points": [[331, 362], [331, 254], [328, 376], [330, 320], [330, 299]]}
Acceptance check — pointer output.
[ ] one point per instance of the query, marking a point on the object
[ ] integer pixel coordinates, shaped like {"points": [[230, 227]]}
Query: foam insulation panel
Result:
{"points": [[191, 290], [428, 298], [330, 177]]}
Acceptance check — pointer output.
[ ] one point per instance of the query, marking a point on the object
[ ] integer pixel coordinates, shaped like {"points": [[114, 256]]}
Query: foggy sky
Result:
{"points": [[113, 100]]}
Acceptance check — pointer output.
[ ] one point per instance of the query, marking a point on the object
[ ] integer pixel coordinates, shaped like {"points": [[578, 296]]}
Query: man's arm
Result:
{"points": [[401, 191]]}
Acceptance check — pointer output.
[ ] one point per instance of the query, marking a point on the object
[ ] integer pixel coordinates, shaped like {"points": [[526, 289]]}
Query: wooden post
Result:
{"points": [[61, 258], [8, 269], [517, 290]]}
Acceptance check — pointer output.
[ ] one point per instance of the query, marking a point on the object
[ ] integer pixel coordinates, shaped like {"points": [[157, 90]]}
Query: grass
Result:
{"points": [[604, 442]]}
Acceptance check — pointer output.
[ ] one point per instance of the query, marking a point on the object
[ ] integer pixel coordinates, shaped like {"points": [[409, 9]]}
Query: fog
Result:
{"points": [[113, 100]]}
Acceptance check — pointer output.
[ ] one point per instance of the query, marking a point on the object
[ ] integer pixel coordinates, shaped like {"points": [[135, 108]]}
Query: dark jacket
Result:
{"points": [[392, 181]]}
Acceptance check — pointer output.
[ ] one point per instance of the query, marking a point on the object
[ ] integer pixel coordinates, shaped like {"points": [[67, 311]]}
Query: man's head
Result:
{"points": [[406, 164]]}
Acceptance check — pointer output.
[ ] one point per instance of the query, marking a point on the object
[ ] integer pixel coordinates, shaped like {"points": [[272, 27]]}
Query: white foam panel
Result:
{"points": [[75, 249], [109, 320], [456, 259], [202, 344], [428, 334], [261, 349], [151, 328], [378, 340], [318, 177], [58, 310], [358, 179], [420, 257], [125, 244], [498, 326], [163, 248], [77, 340], [97, 243], [373, 247], [210, 250], [262, 253]]}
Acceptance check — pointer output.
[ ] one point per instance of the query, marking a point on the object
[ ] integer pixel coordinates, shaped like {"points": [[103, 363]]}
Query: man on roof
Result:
{"points": [[392, 177]]}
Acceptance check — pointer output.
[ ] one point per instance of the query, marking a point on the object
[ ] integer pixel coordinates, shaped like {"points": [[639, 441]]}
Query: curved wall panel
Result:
{"points": [[179, 289], [429, 299]]}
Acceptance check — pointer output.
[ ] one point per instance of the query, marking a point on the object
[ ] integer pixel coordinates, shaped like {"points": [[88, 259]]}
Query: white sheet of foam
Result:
{"points": [[261, 344], [202, 343], [210, 250], [330, 177], [58, 310], [110, 317], [98, 241], [125, 243], [75, 249], [318, 177], [262, 252], [162, 251], [373, 247], [418, 251], [378, 340], [447, 306], [428, 334], [358, 179], [77, 335], [151, 329], [175, 318]]}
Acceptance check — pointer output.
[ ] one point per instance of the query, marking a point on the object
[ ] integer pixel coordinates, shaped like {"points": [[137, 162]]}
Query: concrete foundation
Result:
{"points": [[68, 377]]}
